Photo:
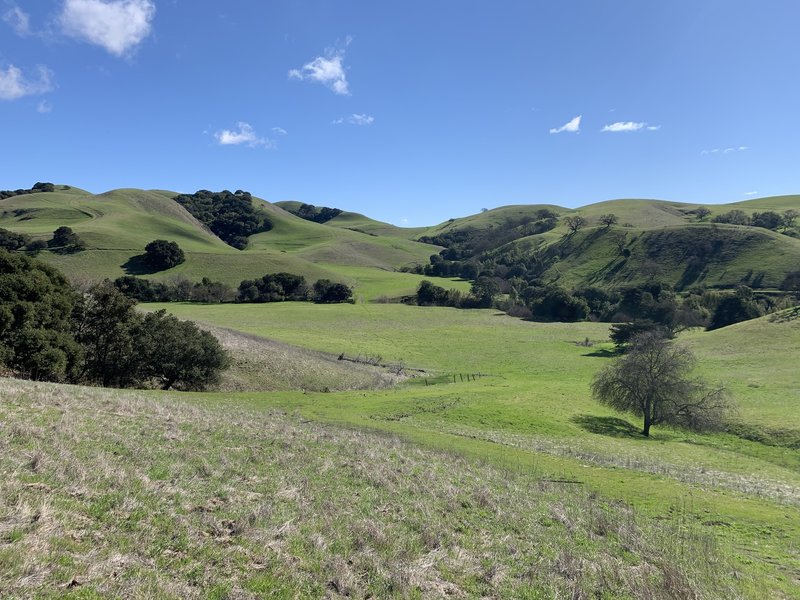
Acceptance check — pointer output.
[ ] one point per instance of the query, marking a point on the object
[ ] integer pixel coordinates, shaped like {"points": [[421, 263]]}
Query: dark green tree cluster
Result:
{"points": [[317, 214], [276, 287], [178, 289], [36, 304], [231, 216], [48, 331], [37, 187], [66, 241], [160, 255], [326, 291], [766, 219], [12, 241]]}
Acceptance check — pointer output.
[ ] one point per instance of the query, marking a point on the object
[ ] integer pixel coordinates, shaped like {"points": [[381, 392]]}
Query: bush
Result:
{"points": [[179, 354], [277, 287], [161, 255], [13, 241], [66, 240], [35, 328], [328, 292]]}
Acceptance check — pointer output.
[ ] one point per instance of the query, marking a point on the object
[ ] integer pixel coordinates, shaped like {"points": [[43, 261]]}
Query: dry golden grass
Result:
{"points": [[143, 495], [259, 364]]}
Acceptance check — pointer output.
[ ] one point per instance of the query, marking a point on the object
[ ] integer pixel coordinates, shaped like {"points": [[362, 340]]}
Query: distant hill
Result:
{"points": [[117, 225], [650, 239]]}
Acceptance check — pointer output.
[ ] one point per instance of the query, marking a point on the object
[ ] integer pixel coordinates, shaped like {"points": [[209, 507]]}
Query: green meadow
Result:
{"points": [[515, 395]]}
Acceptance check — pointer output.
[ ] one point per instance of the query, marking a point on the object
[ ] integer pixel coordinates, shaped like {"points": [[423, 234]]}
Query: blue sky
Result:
{"points": [[408, 111]]}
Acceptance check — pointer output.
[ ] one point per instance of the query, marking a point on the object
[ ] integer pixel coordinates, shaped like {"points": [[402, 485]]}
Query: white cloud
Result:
{"points": [[573, 126], [44, 107], [328, 70], [729, 150], [279, 131], [753, 193], [116, 25], [355, 119], [243, 135], [623, 126], [14, 84], [19, 21], [653, 127]]}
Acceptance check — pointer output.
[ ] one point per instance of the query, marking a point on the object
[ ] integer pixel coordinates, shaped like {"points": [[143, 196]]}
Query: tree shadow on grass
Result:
{"points": [[602, 353], [137, 265], [610, 426]]}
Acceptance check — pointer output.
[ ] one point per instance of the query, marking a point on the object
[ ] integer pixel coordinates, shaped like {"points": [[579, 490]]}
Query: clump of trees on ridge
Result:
{"points": [[231, 216], [317, 214], [37, 187]]}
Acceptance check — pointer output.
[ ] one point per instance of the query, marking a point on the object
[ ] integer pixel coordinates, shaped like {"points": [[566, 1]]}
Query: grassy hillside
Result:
{"points": [[119, 494], [532, 409], [118, 224], [692, 254]]}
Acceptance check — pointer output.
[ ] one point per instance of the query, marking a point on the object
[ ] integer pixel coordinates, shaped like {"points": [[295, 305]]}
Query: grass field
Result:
{"points": [[532, 410], [130, 495]]}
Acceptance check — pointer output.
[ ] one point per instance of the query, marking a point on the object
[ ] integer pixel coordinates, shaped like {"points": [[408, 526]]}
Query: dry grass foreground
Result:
{"points": [[145, 495], [259, 364]]}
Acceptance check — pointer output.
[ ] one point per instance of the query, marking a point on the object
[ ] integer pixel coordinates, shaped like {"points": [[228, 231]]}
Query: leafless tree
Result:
{"points": [[653, 381], [574, 223], [608, 220]]}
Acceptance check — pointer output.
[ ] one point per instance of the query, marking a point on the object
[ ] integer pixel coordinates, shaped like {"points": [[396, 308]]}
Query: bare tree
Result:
{"points": [[653, 381], [608, 220], [574, 223]]}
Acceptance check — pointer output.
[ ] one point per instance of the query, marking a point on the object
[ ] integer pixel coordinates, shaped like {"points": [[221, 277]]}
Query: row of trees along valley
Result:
{"points": [[273, 287]]}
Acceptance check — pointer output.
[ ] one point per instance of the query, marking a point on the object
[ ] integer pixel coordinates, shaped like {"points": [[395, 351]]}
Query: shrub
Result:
{"points": [[35, 307], [231, 217], [329, 292], [161, 255], [66, 240]]}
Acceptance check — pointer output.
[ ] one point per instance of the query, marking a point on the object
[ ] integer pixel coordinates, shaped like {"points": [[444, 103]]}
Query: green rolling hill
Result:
{"points": [[652, 238]]}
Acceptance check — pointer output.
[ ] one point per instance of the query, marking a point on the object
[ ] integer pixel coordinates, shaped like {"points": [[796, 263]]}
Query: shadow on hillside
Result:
{"points": [[602, 353], [610, 426], [136, 265]]}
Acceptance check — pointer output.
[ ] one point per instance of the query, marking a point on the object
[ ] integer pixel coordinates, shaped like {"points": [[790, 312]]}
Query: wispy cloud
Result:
{"points": [[19, 21], [119, 26], [244, 135], [328, 70], [279, 131], [622, 126], [729, 150], [574, 126], [14, 84], [44, 107], [355, 119], [362, 119], [753, 193]]}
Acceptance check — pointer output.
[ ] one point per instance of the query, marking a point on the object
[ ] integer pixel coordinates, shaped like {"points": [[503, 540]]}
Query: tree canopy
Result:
{"points": [[232, 217], [161, 254]]}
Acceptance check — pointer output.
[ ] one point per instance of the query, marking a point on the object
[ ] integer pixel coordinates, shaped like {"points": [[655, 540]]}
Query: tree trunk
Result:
{"points": [[647, 418]]}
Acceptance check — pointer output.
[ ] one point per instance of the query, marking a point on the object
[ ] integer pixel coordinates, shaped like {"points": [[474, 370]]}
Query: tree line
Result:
{"points": [[37, 187], [636, 308], [64, 241], [273, 287], [51, 331]]}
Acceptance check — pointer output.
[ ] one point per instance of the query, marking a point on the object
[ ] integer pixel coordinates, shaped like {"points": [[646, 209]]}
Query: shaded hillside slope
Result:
{"points": [[690, 255]]}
